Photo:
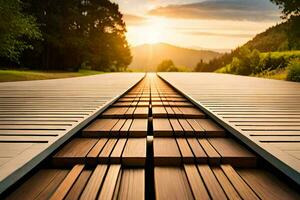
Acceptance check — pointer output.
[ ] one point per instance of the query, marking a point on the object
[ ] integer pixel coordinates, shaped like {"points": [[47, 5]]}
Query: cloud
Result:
{"points": [[134, 19], [250, 10]]}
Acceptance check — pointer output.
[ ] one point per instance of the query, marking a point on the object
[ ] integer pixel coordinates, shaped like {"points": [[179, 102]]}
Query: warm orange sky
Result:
{"points": [[211, 24]]}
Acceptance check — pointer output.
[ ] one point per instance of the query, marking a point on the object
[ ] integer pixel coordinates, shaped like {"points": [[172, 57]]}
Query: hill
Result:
{"points": [[147, 56], [281, 37]]}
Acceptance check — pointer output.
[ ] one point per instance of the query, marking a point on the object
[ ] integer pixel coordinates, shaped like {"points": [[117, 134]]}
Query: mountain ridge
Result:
{"points": [[284, 36], [147, 56]]}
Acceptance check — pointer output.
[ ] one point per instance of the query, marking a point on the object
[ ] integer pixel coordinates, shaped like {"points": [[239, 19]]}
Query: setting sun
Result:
{"points": [[152, 32]]}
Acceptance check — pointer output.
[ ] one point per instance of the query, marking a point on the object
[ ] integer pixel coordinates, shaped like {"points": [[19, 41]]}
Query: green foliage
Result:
{"points": [[16, 29], [282, 37], [289, 7], [245, 63], [77, 32], [294, 70], [72, 32], [167, 66], [260, 64]]}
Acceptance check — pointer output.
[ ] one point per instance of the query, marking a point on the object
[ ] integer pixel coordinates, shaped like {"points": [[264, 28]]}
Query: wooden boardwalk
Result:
{"points": [[152, 143], [264, 114], [36, 117]]}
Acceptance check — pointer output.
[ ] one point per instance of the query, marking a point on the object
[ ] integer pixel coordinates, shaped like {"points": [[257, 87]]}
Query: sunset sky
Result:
{"points": [[208, 24]]}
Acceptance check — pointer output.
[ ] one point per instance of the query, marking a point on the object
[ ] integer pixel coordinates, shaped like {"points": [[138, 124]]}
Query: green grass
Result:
{"points": [[275, 74], [277, 54], [26, 75]]}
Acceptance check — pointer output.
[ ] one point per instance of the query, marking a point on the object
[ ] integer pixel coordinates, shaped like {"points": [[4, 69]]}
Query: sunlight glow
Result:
{"points": [[153, 31]]}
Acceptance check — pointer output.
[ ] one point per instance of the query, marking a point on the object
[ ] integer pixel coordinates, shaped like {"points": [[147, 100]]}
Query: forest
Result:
{"points": [[63, 35], [272, 54]]}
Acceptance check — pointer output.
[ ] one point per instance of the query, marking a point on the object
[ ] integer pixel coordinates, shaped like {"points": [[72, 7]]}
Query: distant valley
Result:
{"points": [[146, 57]]}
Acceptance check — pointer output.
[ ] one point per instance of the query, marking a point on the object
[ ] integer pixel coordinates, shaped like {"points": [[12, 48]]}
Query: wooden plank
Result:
{"points": [[125, 128], [134, 153], [266, 185], [159, 112], [177, 129], [242, 188], [231, 193], [211, 128], [79, 185], [199, 153], [183, 104], [138, 128], [165, 151], [233, 153], [51, 187], [122, 104], [162, 127], [100, 127], [116, 154], [129, 112], [213, 156], [109, 184], [132, 185], [93, 186], [212, 184], [143, 103], [74, 152], [28, 190], [191, 112], [156, 104], [178, 112], [141, 112], [185, 150], [196, 183], [198, 130], [92, 156], [170, 111], [107, 150], [171, 183], [115, 112], [115, 131], [67, 183], [188, 130]]}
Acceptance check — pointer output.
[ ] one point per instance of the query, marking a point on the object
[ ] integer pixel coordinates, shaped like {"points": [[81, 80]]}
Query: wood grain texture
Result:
{"points": [[242, 188], [235, 99], [74, 152], [166, 151], [162, 127], [266, 185], [132, 185], [110, 182], [134, 153], [197, 186], [171, 183], [233, 153], [67, 183], [93, 186]]}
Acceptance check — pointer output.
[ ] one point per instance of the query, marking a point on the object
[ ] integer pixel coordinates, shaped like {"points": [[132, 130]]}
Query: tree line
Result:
{"points": [[63, 35], [282, 37]]}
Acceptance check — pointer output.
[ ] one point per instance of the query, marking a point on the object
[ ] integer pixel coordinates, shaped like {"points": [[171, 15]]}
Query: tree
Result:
{"points": [[255, 59], [80, 31], [16, 30], [289, 7], [167, 66]]}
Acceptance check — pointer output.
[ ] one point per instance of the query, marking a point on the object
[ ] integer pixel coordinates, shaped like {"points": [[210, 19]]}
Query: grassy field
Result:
{"points": [[26, 75]]}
